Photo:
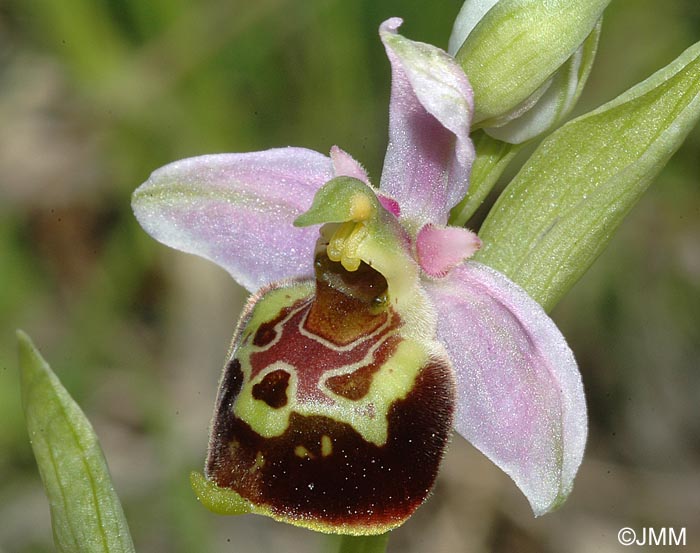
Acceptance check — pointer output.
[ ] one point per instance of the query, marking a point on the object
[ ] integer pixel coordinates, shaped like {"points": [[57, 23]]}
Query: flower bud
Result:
{"points": [[527, 61]]}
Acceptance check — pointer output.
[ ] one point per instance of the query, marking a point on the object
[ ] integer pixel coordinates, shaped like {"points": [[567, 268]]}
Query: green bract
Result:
{"points": [[85, 511], [560, 211]]}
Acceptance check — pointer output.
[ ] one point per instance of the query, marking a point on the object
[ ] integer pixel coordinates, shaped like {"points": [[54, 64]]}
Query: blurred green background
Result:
{"points": [[95, 94]]}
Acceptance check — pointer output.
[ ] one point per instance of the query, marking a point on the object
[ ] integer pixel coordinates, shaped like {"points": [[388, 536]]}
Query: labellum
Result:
{"points": [[332, 414]]}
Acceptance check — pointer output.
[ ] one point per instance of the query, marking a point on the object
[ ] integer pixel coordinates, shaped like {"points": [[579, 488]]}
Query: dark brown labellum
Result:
{"points": [[328, 416]]}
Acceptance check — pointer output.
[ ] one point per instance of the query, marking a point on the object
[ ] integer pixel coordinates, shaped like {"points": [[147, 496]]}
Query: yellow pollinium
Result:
{"points": [[345, 242], [361, 208]]}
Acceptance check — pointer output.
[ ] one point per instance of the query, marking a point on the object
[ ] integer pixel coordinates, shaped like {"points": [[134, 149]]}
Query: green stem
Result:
{"points": [[363, 544], [492, 158]]}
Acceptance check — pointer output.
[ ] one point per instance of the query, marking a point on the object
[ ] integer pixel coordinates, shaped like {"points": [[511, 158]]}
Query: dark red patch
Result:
{"points": [[272, 389], [266, 332], [358, 484], [348, 304], [355, 385], [311, 357], [341, 319]]}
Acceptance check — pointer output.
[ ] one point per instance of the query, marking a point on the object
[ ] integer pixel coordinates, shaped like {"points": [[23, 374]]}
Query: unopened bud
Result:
{"points": [[526, 60]]}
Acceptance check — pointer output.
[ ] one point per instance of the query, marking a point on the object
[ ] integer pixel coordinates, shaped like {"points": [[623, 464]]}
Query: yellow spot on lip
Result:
{"points": [[233, 447], [326, 445], [301, 451], [259, 463]]}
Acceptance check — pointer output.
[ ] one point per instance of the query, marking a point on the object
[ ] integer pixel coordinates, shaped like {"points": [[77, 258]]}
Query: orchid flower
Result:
{"points": [[370, 335]]}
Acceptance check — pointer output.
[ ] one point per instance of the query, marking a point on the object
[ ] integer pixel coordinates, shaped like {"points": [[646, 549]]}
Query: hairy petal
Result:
{"points": [[344, 165], [237, 210], [519, 393], [427, 163], [439, 249], [390, 204]]}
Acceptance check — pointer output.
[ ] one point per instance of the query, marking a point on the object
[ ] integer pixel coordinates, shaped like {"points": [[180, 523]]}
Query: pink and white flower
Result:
{"points": [[512, 384]]}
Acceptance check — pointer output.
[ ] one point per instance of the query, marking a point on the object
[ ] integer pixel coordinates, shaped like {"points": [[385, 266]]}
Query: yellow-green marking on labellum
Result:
{"points": [[370, 334]]}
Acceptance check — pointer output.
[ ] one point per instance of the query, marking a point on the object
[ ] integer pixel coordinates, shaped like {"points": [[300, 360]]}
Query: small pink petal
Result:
{"points": [[440, 249], [344, 165], [391, 205], [519, 392]]}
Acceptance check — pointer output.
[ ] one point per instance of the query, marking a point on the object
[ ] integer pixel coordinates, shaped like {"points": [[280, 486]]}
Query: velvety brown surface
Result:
{"points": [[358, 483]]}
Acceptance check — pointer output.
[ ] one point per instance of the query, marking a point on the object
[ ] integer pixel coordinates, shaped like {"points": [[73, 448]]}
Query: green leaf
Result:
{"points": [[561, 209], [85, 511]]}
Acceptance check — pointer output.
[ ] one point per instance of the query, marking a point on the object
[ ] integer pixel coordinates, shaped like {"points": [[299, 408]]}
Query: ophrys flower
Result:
{"points": [[369, 340]]}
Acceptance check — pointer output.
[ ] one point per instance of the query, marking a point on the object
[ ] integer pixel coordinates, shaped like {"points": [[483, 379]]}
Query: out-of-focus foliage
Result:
{"points": [[95, 94]]}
